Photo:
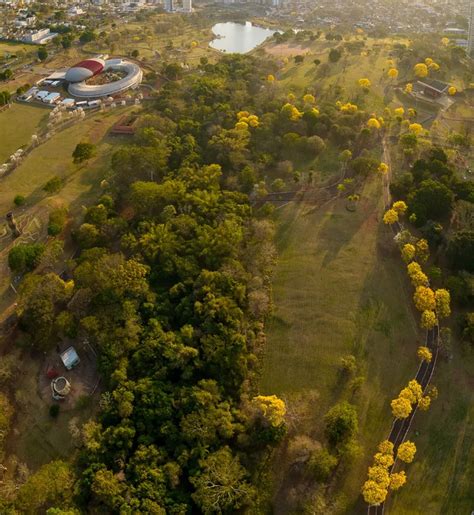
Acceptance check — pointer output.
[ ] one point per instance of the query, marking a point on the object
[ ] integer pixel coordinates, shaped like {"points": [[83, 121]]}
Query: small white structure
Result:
{"points": [[52, 98], [70, 358]]}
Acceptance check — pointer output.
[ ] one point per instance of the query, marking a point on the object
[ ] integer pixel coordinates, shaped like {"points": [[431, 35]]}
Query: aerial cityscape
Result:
{"points": [[236, 257]]}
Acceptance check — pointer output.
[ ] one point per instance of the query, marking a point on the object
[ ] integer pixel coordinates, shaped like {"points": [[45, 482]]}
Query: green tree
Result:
{"points": [[42, 54], [341, 423], [50, 486], [83, 152], [221, 485], [25, 256]]}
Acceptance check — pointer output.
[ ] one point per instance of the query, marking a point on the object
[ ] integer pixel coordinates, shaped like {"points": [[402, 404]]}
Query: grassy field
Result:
{"points": [[17, 125], [54, 158], [7, 47], [339, 290]]}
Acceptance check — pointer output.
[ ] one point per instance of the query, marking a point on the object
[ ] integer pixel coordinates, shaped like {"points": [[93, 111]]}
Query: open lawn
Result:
{"points": [[54, 158], [37, 437], [11, 47], [17, 125], [339, 289]]}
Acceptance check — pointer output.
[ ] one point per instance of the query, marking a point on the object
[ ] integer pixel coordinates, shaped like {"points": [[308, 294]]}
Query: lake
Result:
{"points": [[238, 37]]}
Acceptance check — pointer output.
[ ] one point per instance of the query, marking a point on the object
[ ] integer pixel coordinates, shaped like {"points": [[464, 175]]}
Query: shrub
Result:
{"points": [[57, 219], [19, 200], [321, 464], [53, 185], [54, 410]]}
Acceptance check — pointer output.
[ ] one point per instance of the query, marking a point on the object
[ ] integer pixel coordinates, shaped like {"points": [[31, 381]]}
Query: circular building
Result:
{"points": [[85, 70], [132, 77]]}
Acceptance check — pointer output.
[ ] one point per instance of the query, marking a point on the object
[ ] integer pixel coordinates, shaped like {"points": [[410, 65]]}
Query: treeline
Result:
{"points": [[441, 205]]}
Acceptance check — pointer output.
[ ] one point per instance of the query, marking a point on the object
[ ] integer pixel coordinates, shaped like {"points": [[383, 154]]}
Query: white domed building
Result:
{"points": [[79, 74]]}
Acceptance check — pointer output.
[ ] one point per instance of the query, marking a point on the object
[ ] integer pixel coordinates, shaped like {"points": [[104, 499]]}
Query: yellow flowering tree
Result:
{"points": [[424, 298], [397, 480], [421, 70], [401, 407], [390, 217], [408, 252], [373, 123], [392, 73], [373, 493], [271, 408], [428, 319], [409, 88], [309, 99], [399, 111], [406, 451], [364, 83], [400, 207], [424, 403], [415, 128], [424, 354], [452, 91], [271, 78], [382, 168]]}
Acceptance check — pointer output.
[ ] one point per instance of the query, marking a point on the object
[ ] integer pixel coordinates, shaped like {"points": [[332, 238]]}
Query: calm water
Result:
{"points": [[237, 37]]}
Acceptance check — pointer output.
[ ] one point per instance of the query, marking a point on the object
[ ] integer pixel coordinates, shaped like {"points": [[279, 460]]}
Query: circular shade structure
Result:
{"points": [[85, 70], [80, 88]]}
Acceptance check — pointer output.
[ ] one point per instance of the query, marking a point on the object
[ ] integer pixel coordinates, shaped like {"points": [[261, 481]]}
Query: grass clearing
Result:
{"points": [[339, 289], [17, 125]]}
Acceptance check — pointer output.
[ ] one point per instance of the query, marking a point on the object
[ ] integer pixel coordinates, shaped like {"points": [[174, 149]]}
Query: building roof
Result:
{"points": [[437, 85], [84, 70], [70, 358]]}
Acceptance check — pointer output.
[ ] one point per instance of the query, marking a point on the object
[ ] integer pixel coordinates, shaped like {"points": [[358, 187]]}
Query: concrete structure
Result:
{"points": [[470, 38], [70, 358], [169, 5], [78, 75], [433, 88], [60, 388], [188, 6]]}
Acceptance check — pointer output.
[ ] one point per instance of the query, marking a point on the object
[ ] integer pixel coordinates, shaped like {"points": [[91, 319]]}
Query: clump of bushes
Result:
{"points": [[57, 219], [53, 185]]}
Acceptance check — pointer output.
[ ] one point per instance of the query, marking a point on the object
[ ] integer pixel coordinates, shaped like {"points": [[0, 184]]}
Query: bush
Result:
{"points": [[57, 219], [53, 185], [54, 410], [19, 200], [321, 464]]}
